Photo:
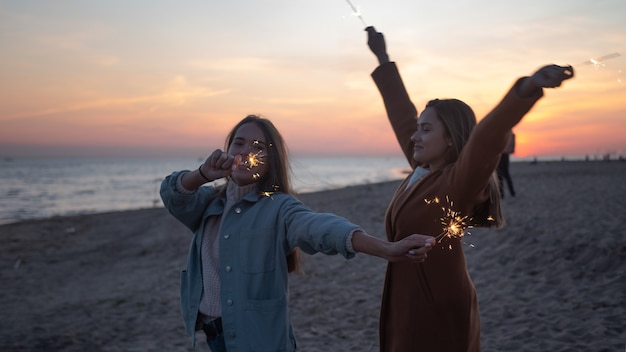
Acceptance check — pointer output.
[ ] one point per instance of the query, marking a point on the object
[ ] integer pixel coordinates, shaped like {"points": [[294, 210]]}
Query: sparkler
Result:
{"points": [[253, 160], [454, 224], [598, 61], [275, 189], [357, 13]]}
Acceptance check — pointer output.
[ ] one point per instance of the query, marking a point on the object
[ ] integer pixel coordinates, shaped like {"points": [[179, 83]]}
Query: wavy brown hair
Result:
{"points": [[459, 120], [277, 160]]}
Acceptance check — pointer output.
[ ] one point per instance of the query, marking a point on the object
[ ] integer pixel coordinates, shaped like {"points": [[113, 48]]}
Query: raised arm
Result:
{"points": [[491, 135], [376, 42], [401, 112], [218, 165], [519, 100]]}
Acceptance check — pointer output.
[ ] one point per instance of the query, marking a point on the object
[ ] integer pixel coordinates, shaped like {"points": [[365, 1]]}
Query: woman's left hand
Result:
{"points": [[549, 76]]}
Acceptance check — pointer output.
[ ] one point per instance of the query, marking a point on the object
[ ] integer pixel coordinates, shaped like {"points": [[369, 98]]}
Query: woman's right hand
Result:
{"points": [[376, 42], [219, 164]]}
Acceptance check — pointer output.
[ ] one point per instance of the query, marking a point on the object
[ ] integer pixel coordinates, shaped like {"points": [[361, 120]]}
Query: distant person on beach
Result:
{"points": [[247, 236], [432, 306], [503, 167]]}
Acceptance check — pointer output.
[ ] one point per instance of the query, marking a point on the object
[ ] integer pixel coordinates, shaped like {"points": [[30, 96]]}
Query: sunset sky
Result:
{"points": [[170, 78]]}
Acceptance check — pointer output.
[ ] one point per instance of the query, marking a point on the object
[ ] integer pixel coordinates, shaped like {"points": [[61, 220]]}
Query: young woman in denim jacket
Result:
{"points": [[246, 239]]}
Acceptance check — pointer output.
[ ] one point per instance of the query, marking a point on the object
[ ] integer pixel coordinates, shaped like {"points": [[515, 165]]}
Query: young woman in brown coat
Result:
{"points": [[432, 306]]}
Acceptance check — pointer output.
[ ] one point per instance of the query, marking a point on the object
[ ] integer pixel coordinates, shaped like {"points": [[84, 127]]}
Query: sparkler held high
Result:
{"points": [[597, 61], [356, 12]]}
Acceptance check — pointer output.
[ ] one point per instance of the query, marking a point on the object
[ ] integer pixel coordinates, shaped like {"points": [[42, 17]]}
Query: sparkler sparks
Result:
{"points": [[454, 224], [356, 12], [598, 61], [275, 188], [253, 160]]}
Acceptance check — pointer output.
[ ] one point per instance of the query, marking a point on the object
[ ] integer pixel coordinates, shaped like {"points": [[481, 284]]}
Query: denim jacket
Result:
{"points": [[256, 235]]}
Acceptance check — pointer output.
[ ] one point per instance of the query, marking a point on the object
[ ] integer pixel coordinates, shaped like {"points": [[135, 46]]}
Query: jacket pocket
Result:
{"points": [[268, 325]]}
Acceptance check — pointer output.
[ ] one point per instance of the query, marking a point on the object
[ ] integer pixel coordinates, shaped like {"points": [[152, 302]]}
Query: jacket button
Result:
{"points": [[231, 335], [228, 269], [226, 236], [229, 302], [238, 210]]}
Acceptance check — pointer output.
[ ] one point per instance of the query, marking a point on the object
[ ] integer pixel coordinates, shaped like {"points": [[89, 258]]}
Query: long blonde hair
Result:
{"points": [[277, 177], [459, 120]]}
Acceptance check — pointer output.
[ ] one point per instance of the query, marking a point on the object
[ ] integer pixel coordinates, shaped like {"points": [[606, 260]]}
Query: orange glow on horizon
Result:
{"points": [[75, 80]]}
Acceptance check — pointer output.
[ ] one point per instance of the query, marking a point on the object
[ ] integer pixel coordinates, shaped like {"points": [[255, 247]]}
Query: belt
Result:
{"points": [[212, 328]]}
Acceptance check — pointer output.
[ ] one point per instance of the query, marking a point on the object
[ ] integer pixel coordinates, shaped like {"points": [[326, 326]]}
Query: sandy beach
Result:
{"points": [[553, 279]]}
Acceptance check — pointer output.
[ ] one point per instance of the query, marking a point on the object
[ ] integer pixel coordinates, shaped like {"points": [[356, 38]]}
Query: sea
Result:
{"points": [[38, 188]]}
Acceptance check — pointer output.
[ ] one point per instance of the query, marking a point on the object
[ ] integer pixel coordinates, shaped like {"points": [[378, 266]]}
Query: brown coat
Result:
{"points": [[433, 306]]}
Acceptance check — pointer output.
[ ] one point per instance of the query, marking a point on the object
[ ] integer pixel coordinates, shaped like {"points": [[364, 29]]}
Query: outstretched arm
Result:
{"points": [[400, 110], [413, 247], [490, 137], [521, 98]]}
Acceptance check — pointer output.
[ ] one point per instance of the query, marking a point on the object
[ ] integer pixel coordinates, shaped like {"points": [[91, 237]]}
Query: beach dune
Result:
{"points": [[553, 279]]}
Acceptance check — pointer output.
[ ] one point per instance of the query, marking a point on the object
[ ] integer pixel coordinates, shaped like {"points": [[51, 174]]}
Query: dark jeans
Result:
{"points": [[214, 335], [217, 343]]}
